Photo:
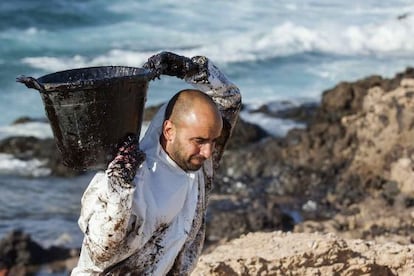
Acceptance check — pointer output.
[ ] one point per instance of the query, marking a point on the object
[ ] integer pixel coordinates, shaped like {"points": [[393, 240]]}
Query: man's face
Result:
{"points": [[192, 144]]}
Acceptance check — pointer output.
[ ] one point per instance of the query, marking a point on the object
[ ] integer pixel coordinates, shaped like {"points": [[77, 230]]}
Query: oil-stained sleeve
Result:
{"points": [[106, 220], [224, 93]]}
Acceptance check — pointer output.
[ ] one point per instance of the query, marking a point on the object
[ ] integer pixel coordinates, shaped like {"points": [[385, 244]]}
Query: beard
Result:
{"points": [[195, 162], [187, 163]]}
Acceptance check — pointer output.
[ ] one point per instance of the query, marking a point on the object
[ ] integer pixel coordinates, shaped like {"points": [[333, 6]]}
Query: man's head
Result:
{"points": [[191, 127]]}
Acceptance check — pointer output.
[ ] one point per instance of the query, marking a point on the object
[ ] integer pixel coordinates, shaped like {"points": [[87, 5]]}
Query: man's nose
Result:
{"points": [[207, 150]]}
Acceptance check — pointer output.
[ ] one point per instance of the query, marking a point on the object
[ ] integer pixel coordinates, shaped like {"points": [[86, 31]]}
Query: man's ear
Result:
{"points": [[168, 130]]}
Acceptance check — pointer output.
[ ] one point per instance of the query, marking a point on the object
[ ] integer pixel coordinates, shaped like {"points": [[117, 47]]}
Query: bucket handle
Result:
{"points": [[31, 83]]}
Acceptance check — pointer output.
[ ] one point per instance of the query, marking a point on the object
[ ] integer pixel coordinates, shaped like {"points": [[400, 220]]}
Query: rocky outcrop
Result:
{"points": [[20, 255], [28, 148], [355, 155], [279, 253]]}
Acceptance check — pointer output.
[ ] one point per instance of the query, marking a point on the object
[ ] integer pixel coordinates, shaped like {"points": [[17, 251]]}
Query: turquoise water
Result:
{"points": [[274, 50]]}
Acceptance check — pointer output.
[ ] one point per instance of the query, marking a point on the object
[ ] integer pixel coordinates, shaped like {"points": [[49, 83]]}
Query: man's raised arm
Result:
{"points": [[106, 216], [205, 76]]}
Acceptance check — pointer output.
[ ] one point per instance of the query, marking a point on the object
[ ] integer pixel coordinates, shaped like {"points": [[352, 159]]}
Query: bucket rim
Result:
{"points": [[142, 74]]}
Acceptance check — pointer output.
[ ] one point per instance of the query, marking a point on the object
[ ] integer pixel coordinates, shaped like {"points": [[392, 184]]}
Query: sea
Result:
{"points": [[281, 53]]}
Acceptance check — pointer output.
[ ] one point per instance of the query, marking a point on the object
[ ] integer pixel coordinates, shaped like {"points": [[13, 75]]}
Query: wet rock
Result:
{"points": [[19, 253], [244, 134], [26, 119], [26, 148], [230, 216], [287, 110]]}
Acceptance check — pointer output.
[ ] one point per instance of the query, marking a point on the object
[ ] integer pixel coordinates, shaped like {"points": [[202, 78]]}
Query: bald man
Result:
{"points": [[145, 215], [191, 130]]}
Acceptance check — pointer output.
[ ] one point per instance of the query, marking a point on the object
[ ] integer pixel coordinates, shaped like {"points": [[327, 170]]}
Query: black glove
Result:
{"points": [[202, 73], [123, 168], [167, 63]]}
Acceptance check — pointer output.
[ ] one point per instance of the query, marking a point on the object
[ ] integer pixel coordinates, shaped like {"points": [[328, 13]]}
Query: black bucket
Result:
{"points": [[91, 109]]}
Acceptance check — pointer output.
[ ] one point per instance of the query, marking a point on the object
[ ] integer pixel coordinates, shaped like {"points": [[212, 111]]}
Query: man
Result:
{"points": [[145, 215]]}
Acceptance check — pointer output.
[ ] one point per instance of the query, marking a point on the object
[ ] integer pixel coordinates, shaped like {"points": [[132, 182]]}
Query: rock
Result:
{"points": [[244, 134], [27, 148], [26, 119], [150, 112], [299, 113], [278, 253], [385, 136], [20, 254], [229, 216], [357, 145]]}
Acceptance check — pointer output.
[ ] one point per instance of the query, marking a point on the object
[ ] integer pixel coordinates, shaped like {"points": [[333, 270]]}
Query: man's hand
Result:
{"points": [[167, 63], [123, 168], [202, 73]]}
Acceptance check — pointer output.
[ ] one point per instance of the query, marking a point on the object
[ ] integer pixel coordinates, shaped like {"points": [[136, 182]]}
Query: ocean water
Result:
{"points": [[275, 51]]}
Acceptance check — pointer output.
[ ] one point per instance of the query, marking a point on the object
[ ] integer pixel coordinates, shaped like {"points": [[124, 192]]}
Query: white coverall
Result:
{"points": [[156, 226]]}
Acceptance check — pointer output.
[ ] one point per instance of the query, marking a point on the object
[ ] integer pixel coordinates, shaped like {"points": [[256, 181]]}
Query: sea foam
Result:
{"points": [[10, 165], [39, 130], [277, 127], [390, 37]]}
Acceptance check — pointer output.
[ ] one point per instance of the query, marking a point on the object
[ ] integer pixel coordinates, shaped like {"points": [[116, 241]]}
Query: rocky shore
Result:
{"points": [[350, 172], [280, 253]]}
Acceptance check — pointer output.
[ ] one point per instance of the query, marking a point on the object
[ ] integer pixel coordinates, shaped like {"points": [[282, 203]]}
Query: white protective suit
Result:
{"points": [[156, 226]]}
